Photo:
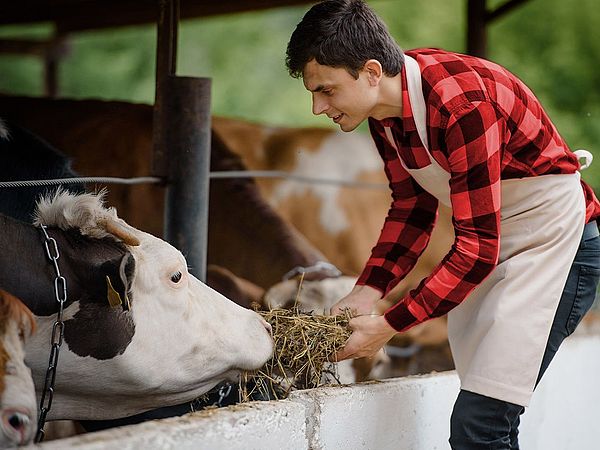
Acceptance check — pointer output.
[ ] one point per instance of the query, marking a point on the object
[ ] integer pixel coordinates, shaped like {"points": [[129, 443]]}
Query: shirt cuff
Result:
{"points": [[376, 277], [399, 317]]}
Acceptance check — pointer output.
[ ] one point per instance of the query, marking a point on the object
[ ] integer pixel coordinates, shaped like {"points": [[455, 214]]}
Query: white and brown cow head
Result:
{"points": [[179, 338], [18, 409]]}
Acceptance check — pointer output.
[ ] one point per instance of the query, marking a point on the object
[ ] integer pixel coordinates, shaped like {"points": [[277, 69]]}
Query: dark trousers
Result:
{"points": [[479, 422]]}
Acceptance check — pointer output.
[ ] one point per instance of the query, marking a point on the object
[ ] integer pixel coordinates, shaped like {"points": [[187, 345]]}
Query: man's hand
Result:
{"points": [[361, 300], [370, 333]]}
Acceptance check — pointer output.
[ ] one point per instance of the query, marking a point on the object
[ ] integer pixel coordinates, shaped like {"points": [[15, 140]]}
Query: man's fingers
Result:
{"points": [[340, 356], [346, 352]]}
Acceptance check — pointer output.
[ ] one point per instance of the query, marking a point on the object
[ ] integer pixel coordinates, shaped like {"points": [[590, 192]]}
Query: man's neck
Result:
{"points": [[390, 98]]}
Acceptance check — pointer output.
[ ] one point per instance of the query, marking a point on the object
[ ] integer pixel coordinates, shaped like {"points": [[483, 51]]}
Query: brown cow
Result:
{"points": [[114, 139], [18, 409]]}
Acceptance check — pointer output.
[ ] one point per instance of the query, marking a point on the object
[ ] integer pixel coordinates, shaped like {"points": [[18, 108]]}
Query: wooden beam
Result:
{"points": [[79, 15], [166, 66], [503, 9], [33, 47], [476, 28]]}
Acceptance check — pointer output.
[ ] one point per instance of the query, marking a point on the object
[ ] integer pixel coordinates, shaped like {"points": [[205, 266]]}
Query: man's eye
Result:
{"points": [[176, 277]]}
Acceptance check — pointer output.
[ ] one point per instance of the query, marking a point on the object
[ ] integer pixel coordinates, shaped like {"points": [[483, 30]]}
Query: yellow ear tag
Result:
{"points": [[114, 299]]}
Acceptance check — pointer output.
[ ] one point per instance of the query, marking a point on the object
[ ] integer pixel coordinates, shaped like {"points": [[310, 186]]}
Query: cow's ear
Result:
{"points": [[118, 283]]}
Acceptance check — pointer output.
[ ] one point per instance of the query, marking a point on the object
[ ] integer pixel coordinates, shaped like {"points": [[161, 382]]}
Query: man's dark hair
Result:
{"points": [[342, 33]]}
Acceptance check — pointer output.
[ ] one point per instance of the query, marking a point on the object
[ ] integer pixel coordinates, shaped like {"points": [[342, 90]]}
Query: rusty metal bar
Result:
{"points": [[57, 49], [166, 66], [476, 28], [50, 76], [188, 122]]}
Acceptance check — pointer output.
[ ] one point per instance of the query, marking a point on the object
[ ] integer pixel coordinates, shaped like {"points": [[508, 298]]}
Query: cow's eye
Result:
{"points": [[176, 277]]}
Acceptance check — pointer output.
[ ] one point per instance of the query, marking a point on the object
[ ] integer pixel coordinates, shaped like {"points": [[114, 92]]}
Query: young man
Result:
{"points": [[462, 131]]}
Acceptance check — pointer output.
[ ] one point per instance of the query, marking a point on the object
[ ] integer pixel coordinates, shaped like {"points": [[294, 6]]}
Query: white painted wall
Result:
{"points": [[403, 414], [565, 411]]}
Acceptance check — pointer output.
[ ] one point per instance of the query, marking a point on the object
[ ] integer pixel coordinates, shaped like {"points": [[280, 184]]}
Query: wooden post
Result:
{"points": [[166, 65], [476, 28]]}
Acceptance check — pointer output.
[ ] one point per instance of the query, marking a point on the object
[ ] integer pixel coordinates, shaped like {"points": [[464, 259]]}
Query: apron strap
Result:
{"points": [[417, 101], [586, 156]]}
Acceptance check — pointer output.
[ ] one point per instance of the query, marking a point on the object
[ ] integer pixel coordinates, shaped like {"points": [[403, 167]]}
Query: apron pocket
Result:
{"points": [[587, 281]]}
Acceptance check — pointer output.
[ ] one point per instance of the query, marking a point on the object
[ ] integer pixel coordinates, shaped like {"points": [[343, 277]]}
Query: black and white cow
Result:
{"points": [[26, 156], [179, 339]]}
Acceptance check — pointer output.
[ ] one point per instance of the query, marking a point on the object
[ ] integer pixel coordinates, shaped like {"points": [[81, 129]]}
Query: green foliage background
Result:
{"points": [[553, 45]]}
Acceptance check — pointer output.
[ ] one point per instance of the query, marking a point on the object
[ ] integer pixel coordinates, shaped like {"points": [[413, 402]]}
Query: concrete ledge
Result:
{"points": [[410, 413], [256, 425], [406, 413]]}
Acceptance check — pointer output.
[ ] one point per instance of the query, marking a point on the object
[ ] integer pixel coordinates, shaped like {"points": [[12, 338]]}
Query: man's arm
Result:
{"points": [[473, 139], [404, 236]]}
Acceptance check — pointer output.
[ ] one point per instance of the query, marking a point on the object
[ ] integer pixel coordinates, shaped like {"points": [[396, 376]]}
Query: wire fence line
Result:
{"points": [[213, 175]]}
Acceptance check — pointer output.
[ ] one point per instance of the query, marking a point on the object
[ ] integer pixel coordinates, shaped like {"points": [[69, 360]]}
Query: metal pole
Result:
{"points": [[188, 123], [181, 137]]}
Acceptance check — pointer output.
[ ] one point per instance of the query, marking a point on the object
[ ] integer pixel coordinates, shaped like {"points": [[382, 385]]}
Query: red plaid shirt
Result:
{"points": [[484, 125]]}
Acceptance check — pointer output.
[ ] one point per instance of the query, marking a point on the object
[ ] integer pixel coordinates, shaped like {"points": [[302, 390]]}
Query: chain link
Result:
{"points": [[60, 294], [224, 392]]}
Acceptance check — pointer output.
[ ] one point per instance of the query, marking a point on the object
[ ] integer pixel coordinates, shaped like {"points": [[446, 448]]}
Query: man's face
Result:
{"points": [[348, 102]]}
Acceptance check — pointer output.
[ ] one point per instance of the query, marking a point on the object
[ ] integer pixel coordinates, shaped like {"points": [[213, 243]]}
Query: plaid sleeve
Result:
{"points": [[473, 144], [407, 227]]}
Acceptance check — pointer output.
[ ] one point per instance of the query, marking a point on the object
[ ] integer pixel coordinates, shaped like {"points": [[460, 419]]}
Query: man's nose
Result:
{"points": [[319, 106]]}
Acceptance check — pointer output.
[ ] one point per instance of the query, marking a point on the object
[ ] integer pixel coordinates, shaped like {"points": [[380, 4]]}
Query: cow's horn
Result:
{"points": [[119, 230]]}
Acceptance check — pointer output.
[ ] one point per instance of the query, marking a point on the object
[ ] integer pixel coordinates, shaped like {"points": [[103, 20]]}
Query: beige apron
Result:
{"points": [[498, 334]]}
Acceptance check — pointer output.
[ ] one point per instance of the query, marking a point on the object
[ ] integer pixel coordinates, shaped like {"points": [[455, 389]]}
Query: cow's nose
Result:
{"points": [[16, 425]]}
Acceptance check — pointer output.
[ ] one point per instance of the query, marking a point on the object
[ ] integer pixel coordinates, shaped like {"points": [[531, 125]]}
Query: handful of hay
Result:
{"points": [[304, 344]]}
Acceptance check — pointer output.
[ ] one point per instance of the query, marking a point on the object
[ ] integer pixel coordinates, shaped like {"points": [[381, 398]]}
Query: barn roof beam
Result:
{"points": [[78, 15]]}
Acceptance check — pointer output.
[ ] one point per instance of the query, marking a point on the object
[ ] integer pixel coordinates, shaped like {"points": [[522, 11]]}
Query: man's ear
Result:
{"points": [[374, 71]]}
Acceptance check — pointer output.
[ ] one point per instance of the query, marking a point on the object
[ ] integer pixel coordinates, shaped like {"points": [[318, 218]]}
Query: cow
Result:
{"points": [[22, 159], [114, 138], [27, 156], [18, 407], [140, 331]]}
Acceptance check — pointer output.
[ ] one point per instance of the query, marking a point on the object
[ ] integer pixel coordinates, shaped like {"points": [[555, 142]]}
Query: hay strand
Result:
{"points": [[304, 345]]}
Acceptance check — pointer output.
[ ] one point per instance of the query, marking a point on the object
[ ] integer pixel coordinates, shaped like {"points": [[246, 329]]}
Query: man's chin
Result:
{"points": [[348, 127]]}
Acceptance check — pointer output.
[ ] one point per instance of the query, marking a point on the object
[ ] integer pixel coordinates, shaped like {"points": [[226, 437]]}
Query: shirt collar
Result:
{"points": [[408, 120]]}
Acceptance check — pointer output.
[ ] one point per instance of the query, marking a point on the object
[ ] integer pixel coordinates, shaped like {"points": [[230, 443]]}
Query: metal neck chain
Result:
{"points": [[60, 294]]}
